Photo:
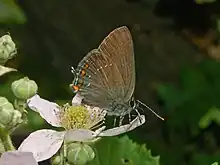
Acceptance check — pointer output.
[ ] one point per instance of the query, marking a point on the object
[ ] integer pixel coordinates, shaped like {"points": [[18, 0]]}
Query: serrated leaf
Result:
{"points": [[122, 151], [4, 70], [10, 12]]}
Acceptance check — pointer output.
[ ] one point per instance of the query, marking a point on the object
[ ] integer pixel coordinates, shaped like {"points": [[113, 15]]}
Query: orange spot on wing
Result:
{"points": [[76, 88], [86, 66], [83, 72]]}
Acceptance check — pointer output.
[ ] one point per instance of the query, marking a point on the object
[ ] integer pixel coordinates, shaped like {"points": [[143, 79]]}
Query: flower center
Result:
{"points": [[82, 117], [74, 117]]}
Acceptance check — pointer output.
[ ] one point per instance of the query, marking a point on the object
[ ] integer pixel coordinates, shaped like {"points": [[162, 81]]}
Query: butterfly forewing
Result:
{"points": [[102, 72], [108, 71], [118, 46]]}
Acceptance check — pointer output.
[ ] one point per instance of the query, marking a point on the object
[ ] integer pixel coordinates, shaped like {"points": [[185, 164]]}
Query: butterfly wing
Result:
{"points": [[118, 46], [100, 73], [108, 71]]}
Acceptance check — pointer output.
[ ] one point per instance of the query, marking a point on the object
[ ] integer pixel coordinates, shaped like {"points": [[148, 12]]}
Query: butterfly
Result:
{"points": [[105, 77]]}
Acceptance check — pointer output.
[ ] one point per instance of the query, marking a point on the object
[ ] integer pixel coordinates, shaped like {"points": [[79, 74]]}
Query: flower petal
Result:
{"points": [[4, 70], [48, 110], [77, 99], [43, 143], [17, 158], [138, 121], [81, 135]]}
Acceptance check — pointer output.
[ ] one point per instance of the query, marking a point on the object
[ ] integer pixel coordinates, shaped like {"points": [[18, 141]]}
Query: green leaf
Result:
{"points": [[10, 12], [62, 102], [194, 82], [35, 121], [212, 115], [215, 163], [122, 151], [211, 69], [204, 159], [171, 96]]}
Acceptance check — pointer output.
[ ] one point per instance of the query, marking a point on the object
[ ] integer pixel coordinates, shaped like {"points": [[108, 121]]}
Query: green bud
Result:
{"points": [[16, 118], [56, 160], [79, 153], [7, 48], [9, 117], [24, 88], [4, 103]]}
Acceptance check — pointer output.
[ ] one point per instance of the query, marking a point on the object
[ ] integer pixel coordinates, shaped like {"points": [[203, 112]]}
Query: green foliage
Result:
{"points": [[122, 151], [10, 12], [204, 159], [35, 121], [199, 91], [191, 107], [213, 115], [204, 1]]}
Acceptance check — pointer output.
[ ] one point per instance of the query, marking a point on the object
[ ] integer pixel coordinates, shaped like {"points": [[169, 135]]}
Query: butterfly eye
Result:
{"points": [[132, 103]]}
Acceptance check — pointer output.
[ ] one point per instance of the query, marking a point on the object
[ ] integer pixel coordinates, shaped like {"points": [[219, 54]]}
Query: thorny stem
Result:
{"points": [[6, 139]]}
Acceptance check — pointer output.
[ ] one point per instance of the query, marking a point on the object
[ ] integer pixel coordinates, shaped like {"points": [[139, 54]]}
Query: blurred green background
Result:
{"points": [[177, 64]]}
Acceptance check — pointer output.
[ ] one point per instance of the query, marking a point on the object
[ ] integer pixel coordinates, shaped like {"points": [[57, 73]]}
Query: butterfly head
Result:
{"points": [[133, 103]]}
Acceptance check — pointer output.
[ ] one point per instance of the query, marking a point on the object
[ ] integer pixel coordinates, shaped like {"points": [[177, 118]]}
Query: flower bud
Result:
{"points": [[9, 117], [16, 118], [79, 153], [4, 103], [7, 48], [56, 160], [24, 88]]}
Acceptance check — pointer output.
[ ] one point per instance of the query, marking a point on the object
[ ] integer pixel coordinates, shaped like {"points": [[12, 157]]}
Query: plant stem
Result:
{"points": [[6, 140]]}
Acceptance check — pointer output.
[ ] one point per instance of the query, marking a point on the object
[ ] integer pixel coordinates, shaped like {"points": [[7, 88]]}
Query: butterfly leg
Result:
{"points": [[129, 118], [115, 120], [120, 120], [139, 115]]}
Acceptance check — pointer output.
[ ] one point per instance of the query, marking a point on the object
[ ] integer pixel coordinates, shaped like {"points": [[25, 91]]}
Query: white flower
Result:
{"points": [[17, 158], [81, 123]]}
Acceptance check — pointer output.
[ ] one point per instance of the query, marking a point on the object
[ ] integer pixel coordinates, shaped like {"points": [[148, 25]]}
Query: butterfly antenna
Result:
{"points": [[150, 110], [73, 71]]}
